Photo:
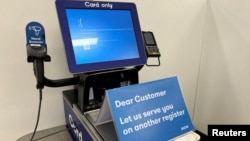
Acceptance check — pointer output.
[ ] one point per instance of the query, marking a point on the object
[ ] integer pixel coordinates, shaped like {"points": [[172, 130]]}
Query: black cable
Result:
{"points": [[38, 116]]}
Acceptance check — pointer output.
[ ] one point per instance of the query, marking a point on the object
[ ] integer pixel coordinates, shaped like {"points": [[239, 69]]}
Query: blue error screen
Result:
{"points": [[100, 35]]}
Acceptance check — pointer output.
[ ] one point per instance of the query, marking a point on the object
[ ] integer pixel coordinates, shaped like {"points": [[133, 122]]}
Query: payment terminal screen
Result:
{"points": [[100, 35]]}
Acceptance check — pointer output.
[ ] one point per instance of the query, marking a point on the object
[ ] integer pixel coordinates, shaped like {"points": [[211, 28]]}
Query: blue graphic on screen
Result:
{"points": [[102, 35]]}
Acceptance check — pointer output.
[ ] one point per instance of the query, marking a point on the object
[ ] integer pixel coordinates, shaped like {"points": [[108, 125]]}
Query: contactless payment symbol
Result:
{"points": [[35, 34]]}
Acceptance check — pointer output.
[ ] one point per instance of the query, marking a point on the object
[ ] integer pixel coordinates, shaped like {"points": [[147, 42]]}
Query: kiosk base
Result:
{"points": [[84, 123], [82, 127], [85, 128]]}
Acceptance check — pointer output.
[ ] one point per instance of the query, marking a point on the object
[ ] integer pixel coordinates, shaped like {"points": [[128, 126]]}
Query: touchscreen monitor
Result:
{"points": [[100, 35]]}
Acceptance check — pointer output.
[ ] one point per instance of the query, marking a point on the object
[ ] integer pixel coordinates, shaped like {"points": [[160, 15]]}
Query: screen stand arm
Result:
{"points": [[38, 66]]}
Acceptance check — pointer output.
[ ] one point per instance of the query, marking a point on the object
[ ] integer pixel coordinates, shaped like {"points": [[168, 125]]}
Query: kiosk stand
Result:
{"points": [[82, 105], [91, 88], [101, 56], [100, 120]]}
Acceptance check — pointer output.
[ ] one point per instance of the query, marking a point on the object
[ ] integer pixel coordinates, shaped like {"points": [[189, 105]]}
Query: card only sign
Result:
{"points": [[148, 111]]}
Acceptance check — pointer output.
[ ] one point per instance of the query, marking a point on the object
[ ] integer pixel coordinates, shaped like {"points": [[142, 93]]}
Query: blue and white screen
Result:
{"points": [[102, 35]]}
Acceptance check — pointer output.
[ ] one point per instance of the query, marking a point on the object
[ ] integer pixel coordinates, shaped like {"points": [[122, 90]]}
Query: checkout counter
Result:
{"points": [[101, 56]]}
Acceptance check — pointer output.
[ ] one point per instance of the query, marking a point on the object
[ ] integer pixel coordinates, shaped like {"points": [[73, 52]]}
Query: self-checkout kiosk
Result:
{"points": [[105, 49]]}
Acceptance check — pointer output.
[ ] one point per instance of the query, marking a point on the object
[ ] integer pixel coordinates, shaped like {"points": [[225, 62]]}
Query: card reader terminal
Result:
{"points": [[150, 44]]}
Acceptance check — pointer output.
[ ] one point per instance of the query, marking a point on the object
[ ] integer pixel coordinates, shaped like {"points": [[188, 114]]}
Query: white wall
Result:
{"points": [[177, 25], [223, 86]]}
